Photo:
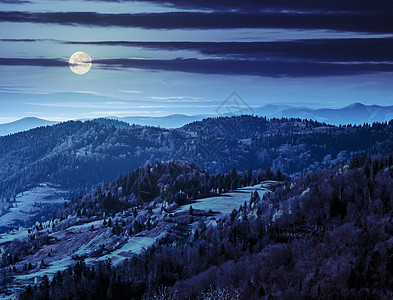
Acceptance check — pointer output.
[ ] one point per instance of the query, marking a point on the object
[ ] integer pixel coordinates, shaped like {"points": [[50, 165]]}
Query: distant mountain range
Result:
{"points": [[356, 113]]}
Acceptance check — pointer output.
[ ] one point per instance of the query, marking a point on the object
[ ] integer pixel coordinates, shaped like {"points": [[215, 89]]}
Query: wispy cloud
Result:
{"points": [[333, 50], [328, 6], [176, 98], [273, 68], [117, 105], [102, 105], [130, 92], [22, 40], [38, 62], [87, 92], [22, 90], [124, 113], [346, 21], [81, 104], [15, 1]]}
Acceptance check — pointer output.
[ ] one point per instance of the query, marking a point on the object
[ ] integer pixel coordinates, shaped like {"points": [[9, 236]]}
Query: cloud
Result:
{"points": [[15, 1], [39, 62], [275, 68], [21, 40], [116, 105], [332, 50], [317, 50], [127, 113], [332, 6], [243, 67], [369, 23], [130, 92], [176, 99], [87, 92], [13, 88]]}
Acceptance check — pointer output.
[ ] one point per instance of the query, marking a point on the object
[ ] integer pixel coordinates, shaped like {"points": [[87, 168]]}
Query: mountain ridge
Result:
{"points": [[78, 155], [356, 113]]}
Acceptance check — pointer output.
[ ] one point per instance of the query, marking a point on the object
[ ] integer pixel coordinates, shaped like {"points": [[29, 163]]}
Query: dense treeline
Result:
{"points": [[75, 155], [325, 235], [80, 155], [167, 184], [170, 184]]}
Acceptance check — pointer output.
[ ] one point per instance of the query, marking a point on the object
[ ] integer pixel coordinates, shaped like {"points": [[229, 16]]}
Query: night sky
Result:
{"points": [[157, 58]]}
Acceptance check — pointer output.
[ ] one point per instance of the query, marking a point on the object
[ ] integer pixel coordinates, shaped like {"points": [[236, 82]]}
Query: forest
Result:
{"points": [[324, 231], [326, 234], [166, 185], [172, 183], [80, 156]]}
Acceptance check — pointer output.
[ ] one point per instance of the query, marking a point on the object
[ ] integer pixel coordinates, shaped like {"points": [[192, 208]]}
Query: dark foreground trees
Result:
{"points": [[325, 235]]}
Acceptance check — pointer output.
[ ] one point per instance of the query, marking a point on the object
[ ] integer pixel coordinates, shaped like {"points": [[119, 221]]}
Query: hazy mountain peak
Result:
{"points": [[23, 124], [356, 105]]}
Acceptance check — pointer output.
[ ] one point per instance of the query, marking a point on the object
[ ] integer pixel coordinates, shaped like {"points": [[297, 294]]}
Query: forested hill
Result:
{"points": [[324, 235], [169, 184], [79, 155]]}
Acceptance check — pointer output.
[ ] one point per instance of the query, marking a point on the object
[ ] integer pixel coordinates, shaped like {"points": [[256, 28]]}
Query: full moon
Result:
{"points": [[80, 63]]}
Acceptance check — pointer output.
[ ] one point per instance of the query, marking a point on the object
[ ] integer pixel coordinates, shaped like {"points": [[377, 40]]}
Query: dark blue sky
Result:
{"points": [[163, 57]]}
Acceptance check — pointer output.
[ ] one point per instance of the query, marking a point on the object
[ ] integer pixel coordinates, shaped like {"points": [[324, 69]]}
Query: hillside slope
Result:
{"points": [[325, 235], [80, 155], [123, 217]]}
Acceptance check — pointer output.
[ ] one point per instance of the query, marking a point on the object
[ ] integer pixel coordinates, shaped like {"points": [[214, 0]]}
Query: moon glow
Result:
{"points": [[80, 63]]}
